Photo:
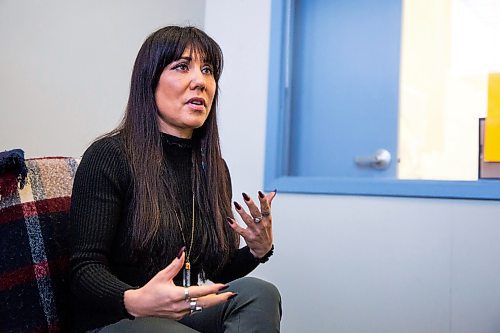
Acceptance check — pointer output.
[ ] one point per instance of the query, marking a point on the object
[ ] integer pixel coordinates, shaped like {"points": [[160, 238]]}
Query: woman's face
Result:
{"points": [[184, 94]]}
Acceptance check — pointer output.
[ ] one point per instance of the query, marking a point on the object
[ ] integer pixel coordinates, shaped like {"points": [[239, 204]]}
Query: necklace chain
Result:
{"points": [[188, 252]]}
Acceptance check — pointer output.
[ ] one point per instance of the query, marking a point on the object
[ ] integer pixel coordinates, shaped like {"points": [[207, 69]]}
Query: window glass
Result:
{"points": [[448, 48]]}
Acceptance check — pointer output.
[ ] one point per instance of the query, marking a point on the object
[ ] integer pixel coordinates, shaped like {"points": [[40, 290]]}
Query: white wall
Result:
{"points": [[65, 67], [354, 264]]}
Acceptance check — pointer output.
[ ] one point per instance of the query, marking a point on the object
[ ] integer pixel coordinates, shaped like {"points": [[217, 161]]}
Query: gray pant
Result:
{"points": [[256, 308]]}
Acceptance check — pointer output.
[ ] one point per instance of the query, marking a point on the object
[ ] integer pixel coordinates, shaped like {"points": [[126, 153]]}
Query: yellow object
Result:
{"points": [[492, 129]]}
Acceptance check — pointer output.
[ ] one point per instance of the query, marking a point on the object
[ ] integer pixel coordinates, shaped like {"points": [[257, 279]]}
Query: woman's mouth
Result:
{"points": [[197, 102]]}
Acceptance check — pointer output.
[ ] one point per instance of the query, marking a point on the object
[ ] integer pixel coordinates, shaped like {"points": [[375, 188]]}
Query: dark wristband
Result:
{"points": [[266, 257]]}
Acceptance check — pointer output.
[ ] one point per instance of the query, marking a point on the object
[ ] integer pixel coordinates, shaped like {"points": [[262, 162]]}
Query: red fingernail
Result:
{"points": [[261, 195], [181, 252], [221, 290], [237, 205], [229, 220], [232, 296], [245, 196]]}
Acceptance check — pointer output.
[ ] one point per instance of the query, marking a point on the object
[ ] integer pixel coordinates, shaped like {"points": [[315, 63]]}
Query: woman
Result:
{"points": [[151, 208]]}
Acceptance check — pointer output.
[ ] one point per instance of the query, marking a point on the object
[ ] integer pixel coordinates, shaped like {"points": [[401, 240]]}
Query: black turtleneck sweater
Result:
{"points": [[101, 268]]}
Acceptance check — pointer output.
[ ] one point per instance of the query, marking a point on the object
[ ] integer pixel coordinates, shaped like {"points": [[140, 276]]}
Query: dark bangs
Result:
{"points": [[201, 44], [172, 41]]}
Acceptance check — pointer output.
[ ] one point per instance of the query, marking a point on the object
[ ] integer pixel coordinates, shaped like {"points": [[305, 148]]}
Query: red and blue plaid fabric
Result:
{"points": [[34, 253]]}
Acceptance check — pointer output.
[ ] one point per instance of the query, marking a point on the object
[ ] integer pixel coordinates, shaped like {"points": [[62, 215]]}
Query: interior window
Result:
{"points": [[448, 50]]}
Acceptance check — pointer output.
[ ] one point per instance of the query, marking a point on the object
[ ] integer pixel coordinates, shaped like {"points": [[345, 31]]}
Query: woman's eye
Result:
{"points": [[207, 70], [181, 66]]}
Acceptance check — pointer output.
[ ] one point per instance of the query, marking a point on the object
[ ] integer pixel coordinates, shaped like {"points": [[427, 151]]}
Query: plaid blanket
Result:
{"points": [[34, 261]]}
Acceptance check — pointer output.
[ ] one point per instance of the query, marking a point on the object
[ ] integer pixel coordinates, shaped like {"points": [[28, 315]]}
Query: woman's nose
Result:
{"points": [[198, 80]]}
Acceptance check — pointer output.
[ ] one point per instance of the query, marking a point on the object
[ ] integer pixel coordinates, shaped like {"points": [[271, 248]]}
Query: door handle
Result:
{"points": [[381, 159]]}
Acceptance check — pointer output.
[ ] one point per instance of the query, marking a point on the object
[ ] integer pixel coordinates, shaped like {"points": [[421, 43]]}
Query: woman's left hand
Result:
{"points": [[259, 231]]}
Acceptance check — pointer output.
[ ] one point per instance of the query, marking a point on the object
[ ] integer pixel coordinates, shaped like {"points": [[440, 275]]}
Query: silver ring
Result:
{"points": [[194, 307], [257, 219], [193, 304], [186, 294], [197, 309]]}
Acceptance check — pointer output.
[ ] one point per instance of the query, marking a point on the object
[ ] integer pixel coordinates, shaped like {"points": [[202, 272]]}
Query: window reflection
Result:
{"points": [[448, 49]]}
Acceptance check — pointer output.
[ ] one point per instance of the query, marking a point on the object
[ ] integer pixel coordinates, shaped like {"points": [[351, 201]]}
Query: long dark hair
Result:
{"points": [[153, 212]]}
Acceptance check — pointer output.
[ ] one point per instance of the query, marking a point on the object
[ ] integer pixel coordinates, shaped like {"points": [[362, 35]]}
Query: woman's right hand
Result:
{"points": [[160, 297]]}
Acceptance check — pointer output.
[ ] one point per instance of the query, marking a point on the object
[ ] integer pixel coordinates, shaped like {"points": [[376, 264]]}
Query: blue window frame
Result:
{"points": [[333, 95]]}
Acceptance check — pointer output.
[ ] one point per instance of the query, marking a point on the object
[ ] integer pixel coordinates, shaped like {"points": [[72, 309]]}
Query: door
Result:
{"points": [[345, 59]]}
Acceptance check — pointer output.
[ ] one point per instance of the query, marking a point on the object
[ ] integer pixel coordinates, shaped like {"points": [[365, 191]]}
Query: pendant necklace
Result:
{"points": [[186, 272]]}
